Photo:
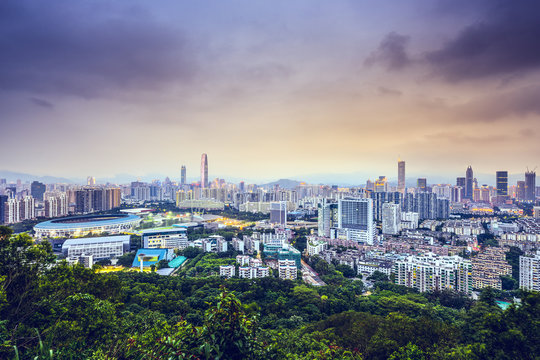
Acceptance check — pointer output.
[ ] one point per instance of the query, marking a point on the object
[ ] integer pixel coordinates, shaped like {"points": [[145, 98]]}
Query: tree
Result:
{"points": [[162, 264], [378, 276], [126, 259], [509, 283], [346, 270]]}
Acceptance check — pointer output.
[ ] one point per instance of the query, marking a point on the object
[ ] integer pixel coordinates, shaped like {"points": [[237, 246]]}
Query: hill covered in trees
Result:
{"points": [[54, 310]]}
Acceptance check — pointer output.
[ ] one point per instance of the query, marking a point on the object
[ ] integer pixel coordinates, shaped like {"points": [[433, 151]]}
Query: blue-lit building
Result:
{"points": [[151, 256], [282, 252]]}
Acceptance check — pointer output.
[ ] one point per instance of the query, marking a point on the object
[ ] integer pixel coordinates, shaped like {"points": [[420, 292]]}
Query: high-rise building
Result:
{"points": [[469, 178], [391, 218], [27, 208], [37, 190], [529, 272], [431, 272], [91, 181], [278, 213], [520, 190], [381, 184], [328, 218], [355, 219], [56, 206], [3, 201], [183, 175], [204, 171], [12, 211], [401, 175], [488, 266], [421, 184], [530, 185], [460, 182], [502, 183]]}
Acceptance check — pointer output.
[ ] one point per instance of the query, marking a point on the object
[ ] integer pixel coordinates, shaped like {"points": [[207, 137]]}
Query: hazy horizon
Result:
{"points": [[269, 89]]}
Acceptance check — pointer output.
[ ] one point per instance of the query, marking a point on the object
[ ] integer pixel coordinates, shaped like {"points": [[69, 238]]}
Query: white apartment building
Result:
{"points": [[315, 245], [431, 272], [287, 269], [391, 218], [529, 272], [227, 271]]}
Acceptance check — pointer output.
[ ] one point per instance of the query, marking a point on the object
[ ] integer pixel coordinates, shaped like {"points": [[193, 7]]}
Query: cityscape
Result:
{"points": [[269, 181]]}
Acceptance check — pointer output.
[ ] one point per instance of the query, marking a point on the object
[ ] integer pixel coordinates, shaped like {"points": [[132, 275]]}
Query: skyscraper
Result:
{"points": [[401, 175], [37, 190], [469, 183], [204, 171], [91, 181], [355, 220], [278, 213], [421, 184], [3, 201], [502, 183], [391, 218], [530, 185], [183, 175]]}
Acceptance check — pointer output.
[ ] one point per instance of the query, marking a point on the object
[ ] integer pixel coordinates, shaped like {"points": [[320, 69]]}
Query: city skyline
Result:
{"points": [[267, 90]]}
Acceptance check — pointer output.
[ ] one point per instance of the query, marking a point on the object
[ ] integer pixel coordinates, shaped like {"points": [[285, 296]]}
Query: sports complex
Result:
{"points": [[86, 225]]}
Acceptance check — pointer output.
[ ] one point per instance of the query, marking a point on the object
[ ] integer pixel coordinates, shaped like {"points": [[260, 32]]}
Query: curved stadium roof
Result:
{"points": [[86, 221]]}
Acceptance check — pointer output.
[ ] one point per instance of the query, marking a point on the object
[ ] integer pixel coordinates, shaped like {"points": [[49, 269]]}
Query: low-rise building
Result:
{"points": [[104, 247], [227, 271], [315, 245], [287, 269]]}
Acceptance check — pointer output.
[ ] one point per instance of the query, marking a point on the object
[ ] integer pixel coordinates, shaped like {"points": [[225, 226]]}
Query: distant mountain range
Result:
{"points": [[11, 176], [283, 184], [346, 179]]}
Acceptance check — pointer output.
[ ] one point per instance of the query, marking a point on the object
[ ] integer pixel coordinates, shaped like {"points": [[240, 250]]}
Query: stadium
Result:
{"points": [[75, 226]]}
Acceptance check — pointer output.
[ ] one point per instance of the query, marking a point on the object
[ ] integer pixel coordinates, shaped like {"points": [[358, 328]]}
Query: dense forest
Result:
{"points": [[53, 310]]}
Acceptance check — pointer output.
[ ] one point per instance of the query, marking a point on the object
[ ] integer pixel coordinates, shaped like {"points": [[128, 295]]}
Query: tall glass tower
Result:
{"points": [[204, 171], [401, 175]]}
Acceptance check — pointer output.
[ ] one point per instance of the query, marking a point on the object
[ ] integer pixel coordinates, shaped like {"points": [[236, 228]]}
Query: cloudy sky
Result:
{"points": [[269, 89]]}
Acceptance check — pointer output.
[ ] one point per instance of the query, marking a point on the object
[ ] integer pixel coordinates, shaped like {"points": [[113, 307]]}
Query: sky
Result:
{"points": [[269, 89]]}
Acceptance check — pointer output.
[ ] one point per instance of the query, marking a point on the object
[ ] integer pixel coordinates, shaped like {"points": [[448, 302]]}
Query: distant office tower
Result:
{"points": [[90, 181], [456, 193], [3, 201], [381, 184], [278, 213], [355, 220], [502, 183], [520, 190], [391, 218], [204, 171], [242, 186], [469, 183], [530, 185], [183, 175], [460, 181], [37, 190], [328, 218], [421, 184], [529, 272], [401, 175]]}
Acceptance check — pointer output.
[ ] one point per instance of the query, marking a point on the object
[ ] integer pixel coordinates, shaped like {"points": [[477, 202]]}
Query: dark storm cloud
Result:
{"points": [[86, 50], [41, 102], [521, 102], [504, 41], [391, 52]]}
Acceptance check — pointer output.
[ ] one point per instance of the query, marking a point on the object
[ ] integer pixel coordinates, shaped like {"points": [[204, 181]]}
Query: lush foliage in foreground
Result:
{"points": [[76, 313]]}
